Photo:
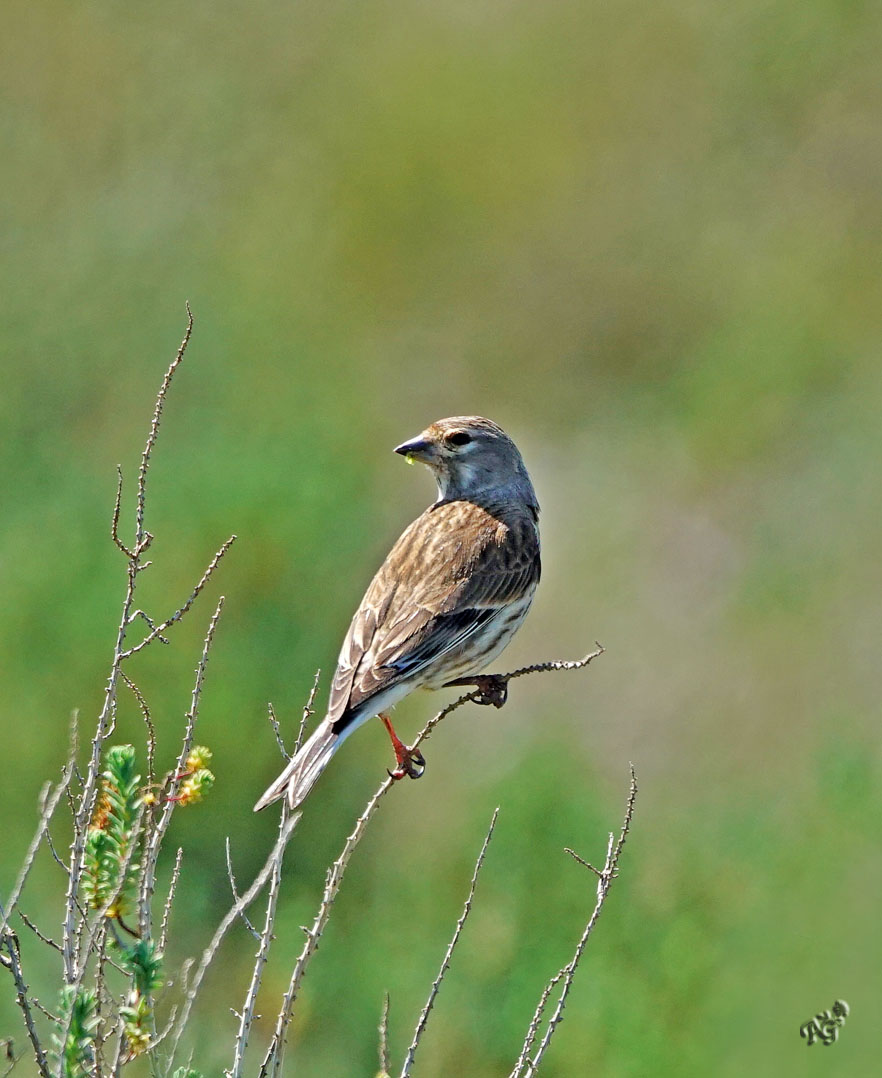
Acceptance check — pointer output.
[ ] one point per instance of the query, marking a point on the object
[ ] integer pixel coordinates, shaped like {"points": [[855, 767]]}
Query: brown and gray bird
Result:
{"points": [[446, 601]]}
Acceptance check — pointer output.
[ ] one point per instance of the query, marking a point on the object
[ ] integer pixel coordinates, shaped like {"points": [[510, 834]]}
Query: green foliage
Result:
{"points": [[186, 1072], [144, 963], [199, 779], [75, 1049], [110, 863]]}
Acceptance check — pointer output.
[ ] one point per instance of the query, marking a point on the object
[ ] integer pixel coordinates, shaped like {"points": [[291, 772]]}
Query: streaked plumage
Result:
{"points": [[448, 598]]}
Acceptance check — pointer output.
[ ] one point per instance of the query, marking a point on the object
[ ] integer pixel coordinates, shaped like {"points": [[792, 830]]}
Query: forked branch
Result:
{"points": [[528, 1064], [272, 1061]]}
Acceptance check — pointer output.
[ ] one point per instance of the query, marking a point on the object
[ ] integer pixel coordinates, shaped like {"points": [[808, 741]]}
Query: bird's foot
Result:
{"points": [[410, 761], [492, 689]]}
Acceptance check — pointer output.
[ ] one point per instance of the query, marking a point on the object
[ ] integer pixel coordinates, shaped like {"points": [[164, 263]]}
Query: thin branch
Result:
{"points": [[229, 919], [114, 522], [158, 630], [383, 1030], [556, 664], [169, 899], [148, 722], [73, 929], [273, 1059], [232, 878], [246, 1019], [45, 939], [44, 1010], [153, 845], [526, 1065], [308, 710], [139, 613], [141, 540], [50, 804], [445, 964], [597, 872], [274, 722], [9, 940]]}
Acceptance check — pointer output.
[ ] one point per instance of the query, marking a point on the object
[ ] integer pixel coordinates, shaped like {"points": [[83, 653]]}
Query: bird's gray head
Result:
{"points": [[473, 459]]}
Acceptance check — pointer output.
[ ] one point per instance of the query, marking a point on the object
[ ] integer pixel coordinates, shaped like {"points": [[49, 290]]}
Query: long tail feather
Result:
{"points": [[303, 770]]}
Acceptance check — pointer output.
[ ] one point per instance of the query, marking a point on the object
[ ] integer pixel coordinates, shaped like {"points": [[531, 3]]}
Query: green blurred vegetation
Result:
{"points": [[644, 238]]}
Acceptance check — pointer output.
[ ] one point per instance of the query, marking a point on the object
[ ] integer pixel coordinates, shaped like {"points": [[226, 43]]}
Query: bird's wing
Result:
{"points": [[451, 572]]}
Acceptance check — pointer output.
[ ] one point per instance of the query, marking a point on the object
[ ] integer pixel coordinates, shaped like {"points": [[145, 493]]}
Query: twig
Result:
{"points": [[383, 1030], [229, 919], [158, 630], [148, 722], [308, 710], [436, 984], [50, 804], [232, 878], [140, 533], [114, 522], [169, 899], [555, 664], [9, 940], [246, 1019], [45, 939], [73, 929], [152, 846], [274, 722], [273, 1058], [527, 1066], [304, 718]]}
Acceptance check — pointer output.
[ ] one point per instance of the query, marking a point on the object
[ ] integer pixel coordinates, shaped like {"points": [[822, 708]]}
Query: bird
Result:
{"points": [[452, 592]]}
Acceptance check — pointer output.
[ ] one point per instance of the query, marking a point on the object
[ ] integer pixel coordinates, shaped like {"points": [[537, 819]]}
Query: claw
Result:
{"points": [[410, 761], [492, 689]]}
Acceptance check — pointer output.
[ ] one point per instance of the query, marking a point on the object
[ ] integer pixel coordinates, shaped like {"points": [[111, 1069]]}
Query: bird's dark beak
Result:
{"points": [[417, 449]]}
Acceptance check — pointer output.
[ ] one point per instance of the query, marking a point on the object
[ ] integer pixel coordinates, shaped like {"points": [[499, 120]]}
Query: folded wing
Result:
{"points": [[442, 581]]}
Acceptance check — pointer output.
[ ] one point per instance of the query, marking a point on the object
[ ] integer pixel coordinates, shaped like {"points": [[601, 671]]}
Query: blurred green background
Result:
{"points": [[644, 238]]}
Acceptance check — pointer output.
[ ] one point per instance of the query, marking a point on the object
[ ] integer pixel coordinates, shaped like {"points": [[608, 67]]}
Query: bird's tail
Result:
{"points": [[304, 768]]}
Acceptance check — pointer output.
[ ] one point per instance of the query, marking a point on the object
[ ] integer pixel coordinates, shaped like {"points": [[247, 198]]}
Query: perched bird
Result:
{"points": [[446, 601]]}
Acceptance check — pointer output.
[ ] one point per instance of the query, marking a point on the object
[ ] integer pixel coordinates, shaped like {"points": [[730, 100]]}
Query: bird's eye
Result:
{"points": [[458, 437]]}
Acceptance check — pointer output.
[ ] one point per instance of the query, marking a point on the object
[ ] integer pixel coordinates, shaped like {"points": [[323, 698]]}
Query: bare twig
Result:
{"points": [[9, 940], [436, 984], [308, 710], [114, 522], [45, 939], [141, 534], [73, 928], [383, 1030], [169, 899], [556, 664], [246, 1019], [229, 919], [148, 722], [232, 878], [274, 722], [158, 630], [526, 1065], [273, 1059], [157, 834], [50, 804]]}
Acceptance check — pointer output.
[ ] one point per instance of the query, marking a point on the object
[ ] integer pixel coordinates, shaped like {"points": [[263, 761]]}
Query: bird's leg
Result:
{"points": [[410, 761], [492, 688]]}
